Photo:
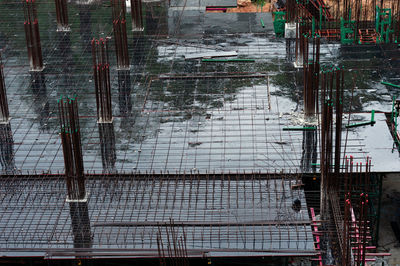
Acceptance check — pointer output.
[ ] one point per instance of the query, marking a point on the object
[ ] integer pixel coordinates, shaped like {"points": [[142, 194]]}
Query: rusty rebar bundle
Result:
{"points": [[119, 28], [362, 230], [338, 75], [101, 74], [332, 81], [302, 43], [326, 152], [80, 223], [136, 12], [396, 20], [4, 113], [32, 35], [72, 148], [62, 15], [174, 250], [124, 92], [7, 149], [291, 8], [356, 231], [309, 148], [346, 248]]}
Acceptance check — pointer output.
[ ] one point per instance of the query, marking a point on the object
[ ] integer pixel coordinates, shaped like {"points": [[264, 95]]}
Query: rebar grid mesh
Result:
{"points": [[246, 213]]}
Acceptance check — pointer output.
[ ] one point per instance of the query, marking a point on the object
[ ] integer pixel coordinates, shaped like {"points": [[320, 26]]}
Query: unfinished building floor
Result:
{"points": [[198, 148]]}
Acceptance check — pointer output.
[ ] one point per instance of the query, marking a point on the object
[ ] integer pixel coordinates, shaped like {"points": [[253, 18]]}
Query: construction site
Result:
{"points": [[199, 132]]}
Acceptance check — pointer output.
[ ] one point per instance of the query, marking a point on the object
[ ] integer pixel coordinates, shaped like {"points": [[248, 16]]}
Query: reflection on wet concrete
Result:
{"points": [[139, 41], [65, 63], [41, 101], [64, 51], [309, 154], [85, 27], [185, 21], [142, 48], [290, 50], [156, 14], [246, 17], [124, 92], [107, 143], [80, 223], [7, 148]]}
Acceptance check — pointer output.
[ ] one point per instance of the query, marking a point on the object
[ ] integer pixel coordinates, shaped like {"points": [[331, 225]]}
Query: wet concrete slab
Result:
{"points": [[221, 218], [220, 23], [378, 141], [191, 22], [194, 21], [210, 119]]}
